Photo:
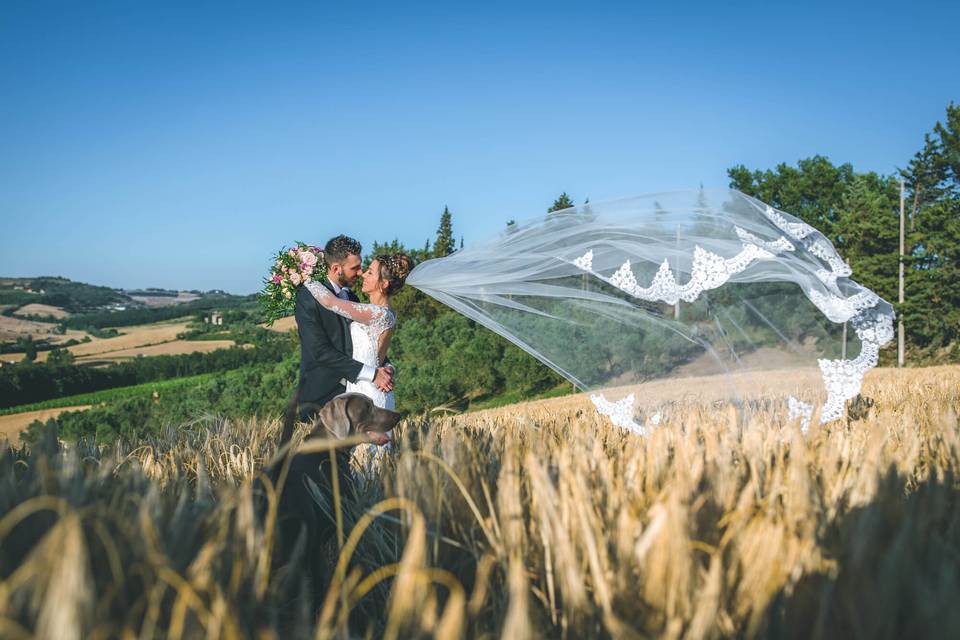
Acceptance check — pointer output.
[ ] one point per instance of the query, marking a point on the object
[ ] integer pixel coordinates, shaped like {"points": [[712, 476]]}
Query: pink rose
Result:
{"points": [[295, 278], [276, 279]]}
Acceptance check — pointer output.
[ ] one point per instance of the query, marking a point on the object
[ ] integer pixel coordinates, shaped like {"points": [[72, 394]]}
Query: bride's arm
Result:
{"points": [[383, 346], [356, 311]]}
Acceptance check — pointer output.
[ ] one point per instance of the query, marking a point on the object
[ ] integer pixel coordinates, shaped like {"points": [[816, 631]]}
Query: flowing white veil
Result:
{"points": [[665, 297]]}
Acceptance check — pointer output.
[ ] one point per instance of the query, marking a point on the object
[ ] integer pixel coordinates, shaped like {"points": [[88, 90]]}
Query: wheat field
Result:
{"points": [[11, 426], [37, 309], [12, 328], [171, 348], [131, 342], [530, 521]]}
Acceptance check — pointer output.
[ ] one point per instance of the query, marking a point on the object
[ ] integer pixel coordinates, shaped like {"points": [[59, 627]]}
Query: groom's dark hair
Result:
{"points": [[339, 248]]}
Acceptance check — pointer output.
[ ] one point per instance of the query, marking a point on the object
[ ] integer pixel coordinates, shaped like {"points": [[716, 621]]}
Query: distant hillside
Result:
{"points": [[77, 298], [72, 297]]}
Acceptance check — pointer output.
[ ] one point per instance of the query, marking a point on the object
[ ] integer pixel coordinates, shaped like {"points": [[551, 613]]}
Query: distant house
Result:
{"points": [[215, 318]]}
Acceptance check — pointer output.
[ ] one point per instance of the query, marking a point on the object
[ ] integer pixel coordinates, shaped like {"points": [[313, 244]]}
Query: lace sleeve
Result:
{"points": [[369, 314], [386, 321]]}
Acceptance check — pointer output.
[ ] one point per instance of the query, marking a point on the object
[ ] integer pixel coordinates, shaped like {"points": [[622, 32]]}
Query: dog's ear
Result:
{"points": [[336, 418]]}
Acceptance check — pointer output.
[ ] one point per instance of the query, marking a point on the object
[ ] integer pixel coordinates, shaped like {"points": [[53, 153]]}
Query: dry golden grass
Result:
{"points": [[540, 520], [36, 309], [12, 328], [12, 425], [175, 347], [694, 391], [282, 325], [130, 338]]}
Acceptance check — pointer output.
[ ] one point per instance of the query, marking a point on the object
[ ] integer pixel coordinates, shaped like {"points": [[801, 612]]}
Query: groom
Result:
{"points": [[326, 348]]}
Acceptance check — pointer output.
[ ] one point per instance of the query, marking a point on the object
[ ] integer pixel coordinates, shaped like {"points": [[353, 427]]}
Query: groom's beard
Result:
{"points": [[340, 280]]}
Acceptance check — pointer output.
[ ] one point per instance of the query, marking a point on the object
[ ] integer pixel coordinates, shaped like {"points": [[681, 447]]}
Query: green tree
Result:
{"points": [[395, 246], [931, 310], [813, 190], [562, 202], [867, 226], [29, 349], [60, 357], [444, 244]]}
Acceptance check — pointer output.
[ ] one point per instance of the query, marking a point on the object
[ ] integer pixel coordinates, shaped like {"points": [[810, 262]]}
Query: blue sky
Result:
{"points": [[180, 144]]}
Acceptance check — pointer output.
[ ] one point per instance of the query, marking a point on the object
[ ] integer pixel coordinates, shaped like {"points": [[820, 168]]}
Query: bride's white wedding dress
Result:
{"points": [[366, 347]]}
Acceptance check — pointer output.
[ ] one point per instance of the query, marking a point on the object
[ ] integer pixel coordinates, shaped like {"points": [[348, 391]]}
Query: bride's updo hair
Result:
{"points": [[394, 268]]}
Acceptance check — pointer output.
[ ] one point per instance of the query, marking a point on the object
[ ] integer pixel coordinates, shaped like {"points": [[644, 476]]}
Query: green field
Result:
{"points": [[110, 395]]}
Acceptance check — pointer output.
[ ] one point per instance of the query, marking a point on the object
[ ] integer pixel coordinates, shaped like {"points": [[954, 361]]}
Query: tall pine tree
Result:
{"points": [[445, 244], [562, 202], [931, 310], [868, 229]]}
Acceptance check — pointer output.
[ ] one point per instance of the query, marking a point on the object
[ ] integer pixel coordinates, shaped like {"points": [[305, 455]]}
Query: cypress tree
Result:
{"points": [[562, 202], [444, 245]]}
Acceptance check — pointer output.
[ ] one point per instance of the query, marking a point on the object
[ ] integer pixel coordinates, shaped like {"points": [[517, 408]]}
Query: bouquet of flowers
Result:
{"points": [[292, 268]]}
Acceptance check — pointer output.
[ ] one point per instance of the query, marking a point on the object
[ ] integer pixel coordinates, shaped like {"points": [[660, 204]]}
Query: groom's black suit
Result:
{"points": [[325, 348]]}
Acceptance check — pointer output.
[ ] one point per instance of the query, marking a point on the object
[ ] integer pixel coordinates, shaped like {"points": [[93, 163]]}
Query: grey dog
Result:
{"points": [[309, 477]]}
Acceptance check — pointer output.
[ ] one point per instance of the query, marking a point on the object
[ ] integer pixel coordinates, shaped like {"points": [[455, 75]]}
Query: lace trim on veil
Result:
{"points": [[841, 378]]}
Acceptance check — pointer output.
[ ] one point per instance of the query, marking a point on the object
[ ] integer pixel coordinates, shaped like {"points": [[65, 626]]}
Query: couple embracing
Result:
{"points": [[343, 342]]}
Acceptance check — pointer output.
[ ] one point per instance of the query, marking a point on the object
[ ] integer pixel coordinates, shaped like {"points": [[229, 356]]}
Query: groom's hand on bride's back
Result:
{"points": [[383, 379]]}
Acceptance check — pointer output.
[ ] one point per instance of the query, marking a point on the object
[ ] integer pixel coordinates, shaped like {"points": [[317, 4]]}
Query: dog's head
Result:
{"points": [[355, 414]]}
